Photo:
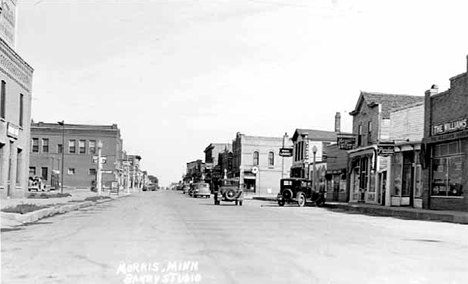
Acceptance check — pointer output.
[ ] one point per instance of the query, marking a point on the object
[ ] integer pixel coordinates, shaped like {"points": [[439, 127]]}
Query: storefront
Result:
{"points": [[406, 180], [368, 175]]}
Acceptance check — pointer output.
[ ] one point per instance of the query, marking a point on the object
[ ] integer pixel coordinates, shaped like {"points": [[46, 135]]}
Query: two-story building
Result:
{"points": [[73, 148], [257, 163], [15, 108], [445, 158], [368, 163]]}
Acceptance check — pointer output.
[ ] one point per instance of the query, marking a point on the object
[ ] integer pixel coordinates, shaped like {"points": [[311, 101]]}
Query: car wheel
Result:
{"points": [[230, 194], [301, 199], [281, 202], [237, 203], [287, 194]]}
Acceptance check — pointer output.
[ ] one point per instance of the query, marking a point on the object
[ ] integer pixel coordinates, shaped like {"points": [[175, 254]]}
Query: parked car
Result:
{"points": [[201, 189], [37, 184], [299, 190], [230, 190], [186, 189]]}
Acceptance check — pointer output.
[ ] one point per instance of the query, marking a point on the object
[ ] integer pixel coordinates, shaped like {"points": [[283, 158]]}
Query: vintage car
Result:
{"points": [[299, 190], [186, 189], [201, 189], [229, 190]]}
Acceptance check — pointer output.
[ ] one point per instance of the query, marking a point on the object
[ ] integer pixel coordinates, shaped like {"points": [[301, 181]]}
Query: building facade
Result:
{"points": [[406, 131], [305, 141], [74, 148], [15, 109], [335, 175], [368, 163], [445, 157], [257, 163]]}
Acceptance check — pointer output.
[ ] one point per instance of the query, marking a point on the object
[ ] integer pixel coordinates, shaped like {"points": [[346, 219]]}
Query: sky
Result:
{"points": [[177, 75]]}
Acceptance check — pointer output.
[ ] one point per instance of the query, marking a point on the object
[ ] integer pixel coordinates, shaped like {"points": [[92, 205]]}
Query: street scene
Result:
{"points": [[136, 238], [233, 141]]}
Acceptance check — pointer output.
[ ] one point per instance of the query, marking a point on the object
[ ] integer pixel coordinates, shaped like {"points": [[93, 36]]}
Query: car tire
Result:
{"points": [[230, 194], [281, 202], [287, 194], [237, 203], [301, 199], [240, 203]]}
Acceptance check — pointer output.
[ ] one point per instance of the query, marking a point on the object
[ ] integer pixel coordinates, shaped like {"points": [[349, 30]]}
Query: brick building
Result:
{"points": [[15, 108], [212, 168], [368, 163], [81, 142], [445, 158], [257, 163]]}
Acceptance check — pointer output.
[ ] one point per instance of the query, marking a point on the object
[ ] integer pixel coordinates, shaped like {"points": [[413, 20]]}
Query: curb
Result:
{"points": [[34, 216]]}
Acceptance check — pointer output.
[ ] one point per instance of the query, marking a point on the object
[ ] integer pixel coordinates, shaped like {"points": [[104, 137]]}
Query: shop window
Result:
{"points": [[407, 175], [35, 145], [255, 158], [82, 146], [447, 168], [45, 145], [44, 173], [397, 173], [271, 159]]}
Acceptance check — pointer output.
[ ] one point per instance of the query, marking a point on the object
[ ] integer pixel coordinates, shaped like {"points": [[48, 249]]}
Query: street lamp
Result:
{"points": [[62, 123], [99, 167], [314, 151]]}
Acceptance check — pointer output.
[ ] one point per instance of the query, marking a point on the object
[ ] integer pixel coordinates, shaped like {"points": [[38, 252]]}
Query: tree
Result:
{"points": [[153, 179]]}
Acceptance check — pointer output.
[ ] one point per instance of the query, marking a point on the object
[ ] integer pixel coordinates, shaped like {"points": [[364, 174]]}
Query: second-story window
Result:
{"points": [[35, 145], [82, 146], [271, 159], [71, 146], [92, 147], [255, 158], [59, 148], [45, 145], [3, 99], [21, 110], [369, 133], [359, 138]]}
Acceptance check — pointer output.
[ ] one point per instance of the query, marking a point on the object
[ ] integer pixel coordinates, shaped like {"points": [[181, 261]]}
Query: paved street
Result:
{"points": [[156, 234]]}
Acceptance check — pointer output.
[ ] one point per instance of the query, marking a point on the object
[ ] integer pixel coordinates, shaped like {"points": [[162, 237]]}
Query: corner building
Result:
{"points": [[445, 146]]}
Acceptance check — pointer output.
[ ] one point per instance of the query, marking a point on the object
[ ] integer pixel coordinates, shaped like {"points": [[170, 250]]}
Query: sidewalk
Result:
{"points": [[398, 212], [54, 206]]}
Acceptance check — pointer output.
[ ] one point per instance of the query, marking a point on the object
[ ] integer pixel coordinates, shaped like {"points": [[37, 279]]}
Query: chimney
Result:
{"points": [[434, 90], [337, 122]]}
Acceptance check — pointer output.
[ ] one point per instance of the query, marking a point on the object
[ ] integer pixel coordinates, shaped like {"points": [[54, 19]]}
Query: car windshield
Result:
{"points": [[229, 182]]}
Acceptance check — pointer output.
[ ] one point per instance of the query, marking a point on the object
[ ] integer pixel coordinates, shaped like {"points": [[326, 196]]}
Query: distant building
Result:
{"points": [[15, 108], [195, 171], [445, 158], [257, 163], [80, 153], [212, 167], [136, 175], [369, 160]]}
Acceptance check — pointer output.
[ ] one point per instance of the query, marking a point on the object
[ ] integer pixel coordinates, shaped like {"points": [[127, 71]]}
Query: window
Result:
{"points": [[45, 145], [82, 146], [255, 158], [271, 159], [59, 148], [44, 173], [21, 109], [2, 101], [32, 171], [92, 147], [359, 139], [92, 172], [369, 133], [35, 145], [71, 147], [71, 171], [447, 170]]}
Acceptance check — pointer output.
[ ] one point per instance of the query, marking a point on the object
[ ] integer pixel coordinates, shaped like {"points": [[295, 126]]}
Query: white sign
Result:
{"points": [[8, 21], [103, 159], [107, 172], [12, 130]]}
